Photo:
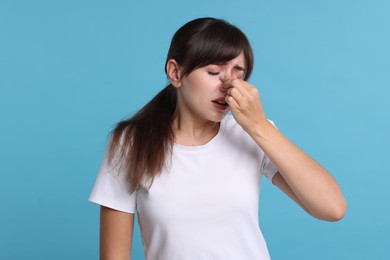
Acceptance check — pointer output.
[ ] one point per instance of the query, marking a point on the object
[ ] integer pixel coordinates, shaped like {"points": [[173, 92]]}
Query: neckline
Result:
{"points": [[206, 145]]}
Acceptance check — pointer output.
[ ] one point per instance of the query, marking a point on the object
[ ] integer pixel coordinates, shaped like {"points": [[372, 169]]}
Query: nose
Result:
{"points": [[222, 88], [225, 73]]}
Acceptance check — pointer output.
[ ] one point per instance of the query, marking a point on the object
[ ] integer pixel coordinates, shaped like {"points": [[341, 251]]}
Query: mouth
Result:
{"points": [[220, 103]]}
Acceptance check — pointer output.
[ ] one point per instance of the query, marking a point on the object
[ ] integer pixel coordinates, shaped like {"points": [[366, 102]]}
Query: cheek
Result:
{"points": [[212, 83], [203, 86]]}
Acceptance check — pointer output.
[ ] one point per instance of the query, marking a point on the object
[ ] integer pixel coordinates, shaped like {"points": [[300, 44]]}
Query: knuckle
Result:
{"points": [[235, 80]]}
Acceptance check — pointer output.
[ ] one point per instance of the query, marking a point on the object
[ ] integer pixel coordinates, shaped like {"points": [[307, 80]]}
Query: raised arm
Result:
{"points": [[116, 234], [300, 177]]}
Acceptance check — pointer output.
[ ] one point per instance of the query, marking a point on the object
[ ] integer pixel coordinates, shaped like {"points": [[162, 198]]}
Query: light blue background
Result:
{"points": [[69, 70]]}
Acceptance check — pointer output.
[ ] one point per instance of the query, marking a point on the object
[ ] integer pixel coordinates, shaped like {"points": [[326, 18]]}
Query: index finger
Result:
{"points": [[229, 82]]}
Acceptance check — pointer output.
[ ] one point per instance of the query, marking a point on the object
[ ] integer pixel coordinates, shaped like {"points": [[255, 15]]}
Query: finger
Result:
{"points": [[246, 89], [239, 84], [228, 80], [236, 89], [233, 105], [236, 94], [225, 84]]}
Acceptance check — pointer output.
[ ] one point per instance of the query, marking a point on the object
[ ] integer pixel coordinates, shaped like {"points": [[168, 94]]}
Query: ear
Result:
{"points": [[173, 73]]}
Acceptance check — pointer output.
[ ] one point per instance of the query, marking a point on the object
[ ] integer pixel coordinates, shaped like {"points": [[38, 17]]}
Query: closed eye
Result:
{"points": [[213, 73], [240, 75]]}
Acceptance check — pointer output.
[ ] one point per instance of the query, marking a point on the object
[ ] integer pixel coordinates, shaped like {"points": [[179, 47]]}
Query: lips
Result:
{"points": [[220, 103]]}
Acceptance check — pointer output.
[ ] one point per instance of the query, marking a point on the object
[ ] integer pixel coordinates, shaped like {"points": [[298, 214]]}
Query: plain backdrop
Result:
{"points": [[69, 70]]}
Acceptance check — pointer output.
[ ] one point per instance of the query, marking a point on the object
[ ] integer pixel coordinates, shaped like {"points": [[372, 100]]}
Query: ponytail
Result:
{"points": [[141, 143]]}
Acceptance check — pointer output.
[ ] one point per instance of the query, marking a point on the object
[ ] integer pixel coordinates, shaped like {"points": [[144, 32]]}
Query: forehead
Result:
{"points": [[237, 61]]}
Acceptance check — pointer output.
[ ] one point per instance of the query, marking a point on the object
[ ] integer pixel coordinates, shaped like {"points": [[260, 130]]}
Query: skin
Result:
{"points": [[116, 234], [196, 121], [299, 176]]}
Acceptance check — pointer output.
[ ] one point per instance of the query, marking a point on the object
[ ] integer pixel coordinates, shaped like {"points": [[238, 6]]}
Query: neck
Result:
{"points": [[190, 131]]}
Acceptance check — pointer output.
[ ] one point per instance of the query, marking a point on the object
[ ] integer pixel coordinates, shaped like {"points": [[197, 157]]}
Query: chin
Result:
{"points": [[218, 118]]}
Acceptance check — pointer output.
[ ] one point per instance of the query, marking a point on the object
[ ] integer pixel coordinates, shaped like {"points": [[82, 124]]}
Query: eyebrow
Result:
{"points": [[237, 67]]}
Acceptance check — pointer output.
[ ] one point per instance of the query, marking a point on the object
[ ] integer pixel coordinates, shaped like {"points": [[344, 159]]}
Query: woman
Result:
{"points": [[191, 171]]}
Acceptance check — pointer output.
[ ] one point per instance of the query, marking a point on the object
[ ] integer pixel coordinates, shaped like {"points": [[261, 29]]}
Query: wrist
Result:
{"points": [[262, 131]]}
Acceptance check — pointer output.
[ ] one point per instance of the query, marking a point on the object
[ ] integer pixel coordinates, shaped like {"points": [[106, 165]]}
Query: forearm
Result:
{"points": [[310, 183], [313, 186]]}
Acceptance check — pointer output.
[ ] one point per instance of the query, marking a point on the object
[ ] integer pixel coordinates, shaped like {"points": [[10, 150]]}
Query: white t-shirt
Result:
{"points": [[204, 205]]}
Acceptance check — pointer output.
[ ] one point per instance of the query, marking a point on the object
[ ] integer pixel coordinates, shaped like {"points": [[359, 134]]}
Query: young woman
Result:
{"points": [[191, 171]]}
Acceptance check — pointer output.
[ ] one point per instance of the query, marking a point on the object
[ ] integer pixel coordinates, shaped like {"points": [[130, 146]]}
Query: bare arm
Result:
{"points": [[116, 234], [300, 177], [281, 183]]}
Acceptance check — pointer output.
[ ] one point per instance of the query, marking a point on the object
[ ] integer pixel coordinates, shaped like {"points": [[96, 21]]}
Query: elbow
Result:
{"points": [[341, 211], [337, 215], [337, 212], [333, 212]]}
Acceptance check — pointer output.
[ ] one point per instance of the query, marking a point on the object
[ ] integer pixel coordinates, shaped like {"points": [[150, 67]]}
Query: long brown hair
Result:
{"points": [[141, 143]]}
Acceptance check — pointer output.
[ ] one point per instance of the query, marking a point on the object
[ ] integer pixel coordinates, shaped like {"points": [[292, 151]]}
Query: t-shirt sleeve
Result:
{"points": [[268, 168], [111, 189]]}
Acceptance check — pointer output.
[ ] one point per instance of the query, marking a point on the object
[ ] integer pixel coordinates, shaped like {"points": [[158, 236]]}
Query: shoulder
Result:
{"points": [[230, 122], [233, 132]]}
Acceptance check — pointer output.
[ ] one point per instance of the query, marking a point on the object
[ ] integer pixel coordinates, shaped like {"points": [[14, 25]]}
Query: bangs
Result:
{"points": [[213, 48], [213, 41]]}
